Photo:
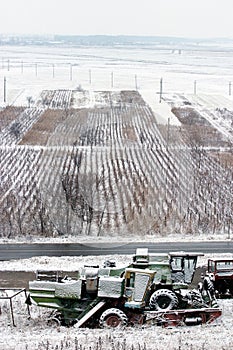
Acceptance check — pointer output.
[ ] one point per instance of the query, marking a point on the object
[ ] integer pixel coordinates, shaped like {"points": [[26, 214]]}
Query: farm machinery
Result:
{"points": [[220, 274], [154, 289]]}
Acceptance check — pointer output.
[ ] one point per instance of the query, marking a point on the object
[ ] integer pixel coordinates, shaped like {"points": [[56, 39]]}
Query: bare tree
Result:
{"points": [[86, 194]]}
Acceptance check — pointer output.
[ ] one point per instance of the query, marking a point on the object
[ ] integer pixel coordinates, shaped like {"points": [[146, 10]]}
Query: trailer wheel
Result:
{"points": [[113, 318], [163, 300]]}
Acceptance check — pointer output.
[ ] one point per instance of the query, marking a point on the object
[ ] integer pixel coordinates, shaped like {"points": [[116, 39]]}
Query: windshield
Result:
{"points": [[224, 265]]}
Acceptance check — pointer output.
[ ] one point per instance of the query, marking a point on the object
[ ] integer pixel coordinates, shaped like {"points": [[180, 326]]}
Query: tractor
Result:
{"points": [[220, 273], [153, 289]]}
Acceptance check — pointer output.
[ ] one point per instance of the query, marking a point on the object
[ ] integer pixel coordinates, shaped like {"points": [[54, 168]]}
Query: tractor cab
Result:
{"points": [[221, 273], [183, 266], [171, 268]]}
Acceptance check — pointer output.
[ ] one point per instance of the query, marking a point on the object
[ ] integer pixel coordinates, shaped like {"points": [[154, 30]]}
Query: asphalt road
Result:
{"points": [[22, 251], [20, 279]]}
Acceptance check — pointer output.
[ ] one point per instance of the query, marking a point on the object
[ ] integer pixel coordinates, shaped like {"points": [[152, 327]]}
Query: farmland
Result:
{"points": [[97, 163]]}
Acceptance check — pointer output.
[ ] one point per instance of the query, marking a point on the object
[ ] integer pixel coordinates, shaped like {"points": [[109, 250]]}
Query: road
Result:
{"points": [[23, 251], [20, 279]]}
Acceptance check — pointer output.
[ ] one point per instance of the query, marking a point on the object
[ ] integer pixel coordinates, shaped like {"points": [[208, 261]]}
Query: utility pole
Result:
{"points": [[136, 82], [229, 88], [90, 76], [36, 69], [71, 72], [21, 67], [8, 65], [4, 90], [195, 87], [112, 80], [53, 71], [161, 90]]}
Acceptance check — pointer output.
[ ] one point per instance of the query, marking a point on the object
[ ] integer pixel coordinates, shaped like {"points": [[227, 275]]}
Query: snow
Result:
{"points": [[212, 75], [161, 109], [123, 239], [98, 69], [201, 337]]}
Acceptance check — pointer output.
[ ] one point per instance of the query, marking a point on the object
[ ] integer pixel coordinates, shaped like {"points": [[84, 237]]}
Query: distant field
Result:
{"points": [[98, 163], [185, 67]]}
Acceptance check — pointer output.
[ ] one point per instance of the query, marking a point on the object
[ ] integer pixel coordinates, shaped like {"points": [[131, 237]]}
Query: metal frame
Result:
{"points": [[17, 292]]}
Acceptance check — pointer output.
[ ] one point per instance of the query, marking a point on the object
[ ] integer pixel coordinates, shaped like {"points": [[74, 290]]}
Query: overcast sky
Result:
{"points": [[186, 18]]}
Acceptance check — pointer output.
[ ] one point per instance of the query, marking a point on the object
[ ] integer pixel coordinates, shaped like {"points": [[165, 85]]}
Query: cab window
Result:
{"points": [[177, 263], [130, 280]]}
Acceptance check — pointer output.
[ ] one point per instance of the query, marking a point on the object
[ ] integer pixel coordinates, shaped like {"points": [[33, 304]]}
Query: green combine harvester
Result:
{"points": [[154, 289]]}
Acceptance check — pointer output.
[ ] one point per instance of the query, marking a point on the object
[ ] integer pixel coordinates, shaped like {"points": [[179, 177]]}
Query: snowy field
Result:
{"points": [[36, 335], [28, 71]]}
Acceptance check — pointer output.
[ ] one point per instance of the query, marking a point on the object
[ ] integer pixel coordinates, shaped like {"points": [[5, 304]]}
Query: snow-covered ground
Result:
{"points": [[122, 240], [28, 71], [36, 335]]}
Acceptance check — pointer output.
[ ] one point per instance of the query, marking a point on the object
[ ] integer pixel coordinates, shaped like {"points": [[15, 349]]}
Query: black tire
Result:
{"points": [[113, 318], [163, 300]]}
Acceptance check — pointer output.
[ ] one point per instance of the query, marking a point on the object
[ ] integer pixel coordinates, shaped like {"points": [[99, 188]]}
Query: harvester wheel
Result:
{"points": [[113, 318], [54, 322], [54, 319], [163, 300]]}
